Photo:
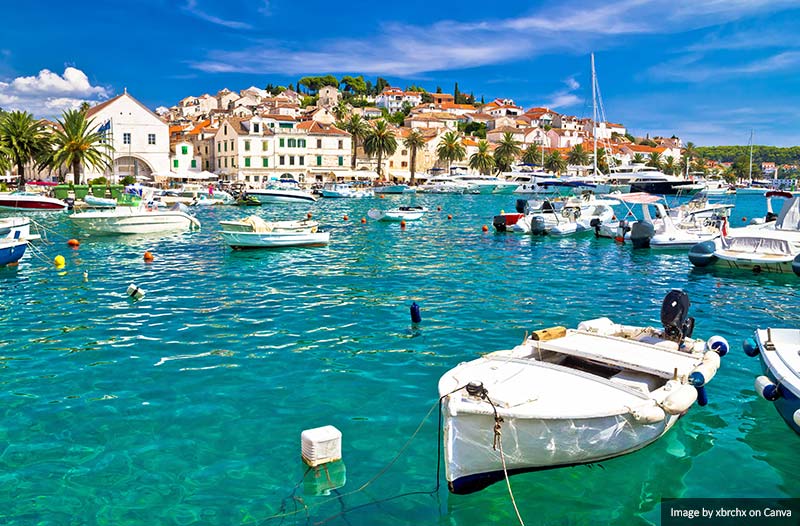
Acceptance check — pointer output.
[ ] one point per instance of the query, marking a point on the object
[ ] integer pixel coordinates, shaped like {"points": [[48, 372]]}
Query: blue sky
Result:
{"points": [[706, 70]]}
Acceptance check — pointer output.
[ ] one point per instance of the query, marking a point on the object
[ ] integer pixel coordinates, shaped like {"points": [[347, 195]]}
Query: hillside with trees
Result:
{"points": [[775, 154]]}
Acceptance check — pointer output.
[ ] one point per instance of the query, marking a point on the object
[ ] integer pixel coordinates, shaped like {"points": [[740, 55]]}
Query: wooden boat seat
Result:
{"points": [[628, 354]]}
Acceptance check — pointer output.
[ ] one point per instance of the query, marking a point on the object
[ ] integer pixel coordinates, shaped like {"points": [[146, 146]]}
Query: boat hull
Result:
{"points": [[248, 240], [665, 187], [779, 365], [36, 204], [278, 196], [534, 444], [11, 251], [133, 223]]}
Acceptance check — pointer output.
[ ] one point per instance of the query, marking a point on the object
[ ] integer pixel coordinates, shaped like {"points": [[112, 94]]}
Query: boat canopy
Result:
{"points": [[638, 198], [789, 218]]}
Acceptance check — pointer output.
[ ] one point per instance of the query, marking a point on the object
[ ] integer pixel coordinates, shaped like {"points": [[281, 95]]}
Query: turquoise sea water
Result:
{"points": [[186, 407]]}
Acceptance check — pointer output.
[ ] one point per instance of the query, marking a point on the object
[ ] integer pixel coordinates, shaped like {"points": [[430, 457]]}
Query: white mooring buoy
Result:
{"points": [[321, 445]]}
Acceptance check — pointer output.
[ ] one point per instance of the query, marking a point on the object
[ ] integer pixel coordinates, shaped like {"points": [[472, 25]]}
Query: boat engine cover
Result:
{"points": [[674, 313], [641, 233]]}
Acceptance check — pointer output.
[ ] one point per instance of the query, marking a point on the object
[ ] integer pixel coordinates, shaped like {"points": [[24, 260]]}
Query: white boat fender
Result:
{"points": [[135, 292], [648, 414], [768, 390], [704, 373], [750, 348], [719, 345], [680, 399], [796, 417]]}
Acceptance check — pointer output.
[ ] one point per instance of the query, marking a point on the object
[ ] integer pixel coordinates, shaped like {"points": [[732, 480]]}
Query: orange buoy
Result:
{"points": [[148, 256], [363, 220], [485, 228], [345, 217], [449, 216], [402, 224], [73, 243], [438, 208], [382, 196], [308, 215], [744, 219]]}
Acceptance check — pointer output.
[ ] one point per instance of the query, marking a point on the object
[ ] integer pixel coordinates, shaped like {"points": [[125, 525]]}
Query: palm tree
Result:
{"points": [[413, 142], [482, 160], [689, 152], [451, 149], [555, 163], [668, 165], [340, 110], [602, 161], [380, 142], [77, 142], [532, 155], [578, 156], [358, 130], [638, 159], [654, 160], [699, 165], [506, 152], [23, 138]]}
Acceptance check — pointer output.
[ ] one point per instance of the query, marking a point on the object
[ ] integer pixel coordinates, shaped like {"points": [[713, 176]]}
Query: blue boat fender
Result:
{"points": [[702, 254], [750, 348], [702, 397], [796, 265], [719, 345], [416, 317], [766, 389]]}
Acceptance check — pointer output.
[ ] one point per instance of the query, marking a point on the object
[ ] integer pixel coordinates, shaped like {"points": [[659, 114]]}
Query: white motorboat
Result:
{"points": [[574, 214], [99, 202], [281, 193], [402, 213], [660, 227], [446, 184], [31, 201], [346, 190], [779, 352], [583, 219], [393, 189], [486, 184], [275, 239], [573, 396], [255, 223], [12, 249], [15, 227], [772, 246], [143, 219]]}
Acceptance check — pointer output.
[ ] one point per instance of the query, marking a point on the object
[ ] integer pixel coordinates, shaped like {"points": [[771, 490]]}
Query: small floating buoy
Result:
{"points": [[744, 219], [449, 216], [59, 261], [485, 228], [438, 208], [85, 276], [148, 256], [73, 243], [402, 224], [363, 220], [321, 445], [382, 196], [345, 217], [308, 215], [135, 292], [416, 317]]}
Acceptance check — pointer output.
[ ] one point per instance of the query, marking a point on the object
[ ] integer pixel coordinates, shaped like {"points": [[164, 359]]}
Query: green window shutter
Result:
{"points": [[226, 146], [247, 146], [265, 162], [341, 160], [302, 143], [175, 163], [281, 143], [247, 162], [194, 163], [219, 147], [319, 160], [184, 150], [264, 146]]}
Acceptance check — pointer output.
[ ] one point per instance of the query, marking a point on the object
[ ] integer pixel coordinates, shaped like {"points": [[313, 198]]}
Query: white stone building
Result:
{"points": [[393, 99], [139, 137]]}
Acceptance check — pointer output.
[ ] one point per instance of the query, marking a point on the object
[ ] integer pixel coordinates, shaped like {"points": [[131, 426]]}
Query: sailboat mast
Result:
{"points": [[750, 166], [594, 116]]}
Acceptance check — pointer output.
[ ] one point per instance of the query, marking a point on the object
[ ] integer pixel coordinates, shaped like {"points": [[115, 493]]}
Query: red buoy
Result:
{"points": [[345, 217], [73, 243], [402, 224], [363, 220], [148, 256], [485, 228], [449, 216], [308, 215]]}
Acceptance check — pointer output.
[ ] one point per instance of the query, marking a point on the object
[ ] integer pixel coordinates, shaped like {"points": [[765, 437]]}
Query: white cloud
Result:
{"points": [[566, 97], [192, 8], [690, 69], [47, 94], [406, 50]]}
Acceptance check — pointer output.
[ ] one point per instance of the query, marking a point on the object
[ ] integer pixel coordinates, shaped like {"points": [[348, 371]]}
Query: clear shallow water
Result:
{"points": [[187, 406]]}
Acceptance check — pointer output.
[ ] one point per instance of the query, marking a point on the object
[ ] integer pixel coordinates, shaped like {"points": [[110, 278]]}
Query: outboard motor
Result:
{"points": [[538, 226], [521, 203], [499, 223], [622, 229], [70, 202], [674, 316], [641, 233], [595, 223]]}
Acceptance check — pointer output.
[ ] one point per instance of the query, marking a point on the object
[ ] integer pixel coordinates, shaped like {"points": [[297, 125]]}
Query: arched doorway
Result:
{"points": [[133, 166]]}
